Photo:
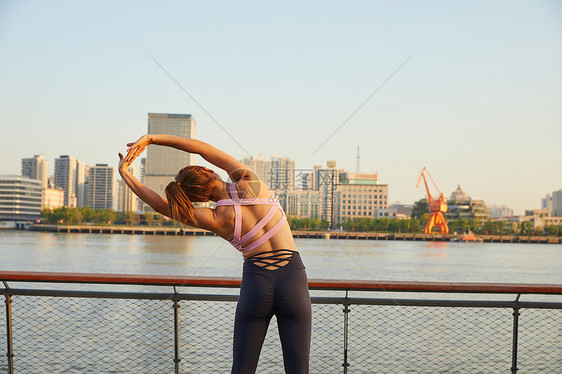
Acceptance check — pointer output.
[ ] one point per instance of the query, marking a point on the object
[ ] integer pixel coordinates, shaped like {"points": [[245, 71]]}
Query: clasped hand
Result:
{"points": [[135, 149]]}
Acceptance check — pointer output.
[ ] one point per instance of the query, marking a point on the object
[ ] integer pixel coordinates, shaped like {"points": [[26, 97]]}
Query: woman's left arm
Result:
{"points": [[235, 169]]}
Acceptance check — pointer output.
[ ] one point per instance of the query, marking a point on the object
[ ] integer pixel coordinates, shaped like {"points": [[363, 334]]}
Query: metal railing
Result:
{"points": [[102, 323]]}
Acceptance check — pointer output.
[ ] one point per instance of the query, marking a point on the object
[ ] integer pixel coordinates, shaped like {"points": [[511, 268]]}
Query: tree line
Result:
{"points": [[86, 215]]}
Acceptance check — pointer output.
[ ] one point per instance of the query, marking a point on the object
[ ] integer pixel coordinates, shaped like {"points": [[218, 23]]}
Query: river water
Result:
{"points": [[324, 258], [56, 335]]}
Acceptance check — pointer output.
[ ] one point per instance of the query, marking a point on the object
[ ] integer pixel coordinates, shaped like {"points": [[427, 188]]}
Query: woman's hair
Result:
{"points": [[192, 184]]}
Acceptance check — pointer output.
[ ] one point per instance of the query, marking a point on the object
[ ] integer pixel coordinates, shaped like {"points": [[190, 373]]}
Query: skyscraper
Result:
{"points": [[163, 163], [65, 178], [100, 187], [36, 167], [70, 176]]}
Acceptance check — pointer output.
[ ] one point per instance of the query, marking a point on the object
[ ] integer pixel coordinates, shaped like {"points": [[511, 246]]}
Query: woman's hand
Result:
{"points": [[123, 164], [137, 148]]}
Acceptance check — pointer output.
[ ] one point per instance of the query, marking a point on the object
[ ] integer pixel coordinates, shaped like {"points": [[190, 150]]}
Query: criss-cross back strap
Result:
{"points": [[237, 217], [262, 239], [250, 234]]}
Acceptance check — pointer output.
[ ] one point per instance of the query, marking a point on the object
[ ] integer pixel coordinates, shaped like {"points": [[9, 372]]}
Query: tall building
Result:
{"points": [[282, 173], [20, 198], [277, 172], [546, 202], [70, 176], [100, 187], [326, 181], [65, 179], [259, 165], [36, 167], [557, 203], [82, 171], [163, 163], [127, 200]]}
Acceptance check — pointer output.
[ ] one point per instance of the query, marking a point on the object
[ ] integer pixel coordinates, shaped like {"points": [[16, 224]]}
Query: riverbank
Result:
{"points": [[175, 231]]}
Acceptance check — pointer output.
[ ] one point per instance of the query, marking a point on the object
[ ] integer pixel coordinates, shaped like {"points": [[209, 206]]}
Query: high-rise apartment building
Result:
{"points": [[163, 163], [557, 203], [326, 181], [100, 187], [65, 178], [546, 202], [36, 167], [82, 171], [282, 173], [20, 198], [277, 172], [259, 165], [70, 176]]}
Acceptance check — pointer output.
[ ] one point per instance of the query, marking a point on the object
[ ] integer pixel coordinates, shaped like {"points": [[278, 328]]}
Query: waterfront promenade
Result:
{"points": [[123, 323], [175, 231]]}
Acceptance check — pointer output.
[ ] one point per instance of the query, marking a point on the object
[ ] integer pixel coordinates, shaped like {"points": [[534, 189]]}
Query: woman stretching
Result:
{"points": [[249, 216]]}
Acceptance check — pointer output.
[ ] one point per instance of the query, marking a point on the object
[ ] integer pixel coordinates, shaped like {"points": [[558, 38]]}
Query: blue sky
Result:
{"points": [[478, 104]]}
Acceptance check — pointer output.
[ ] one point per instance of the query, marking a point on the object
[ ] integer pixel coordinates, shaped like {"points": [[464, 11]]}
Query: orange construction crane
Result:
{"points": [[436, 207]]}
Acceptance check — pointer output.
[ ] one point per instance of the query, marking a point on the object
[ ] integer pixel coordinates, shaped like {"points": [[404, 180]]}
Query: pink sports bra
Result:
{"points": [[236, 202]]}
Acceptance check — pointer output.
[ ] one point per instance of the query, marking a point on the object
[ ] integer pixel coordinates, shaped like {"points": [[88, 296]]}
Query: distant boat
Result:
{"points": [[468, 238]]}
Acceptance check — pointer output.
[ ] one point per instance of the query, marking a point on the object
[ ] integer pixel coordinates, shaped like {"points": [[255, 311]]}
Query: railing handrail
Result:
{"points": [[314, 284]]}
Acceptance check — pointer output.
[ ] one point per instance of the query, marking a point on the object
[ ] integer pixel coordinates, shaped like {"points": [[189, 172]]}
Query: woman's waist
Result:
{"points": [[275, 260]]}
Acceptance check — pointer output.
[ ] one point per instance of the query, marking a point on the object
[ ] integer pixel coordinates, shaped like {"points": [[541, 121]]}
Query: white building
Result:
{"points": [[500, 212], [36, 167], [70, 176], [52, 198], [20, 198], [101, 187]]}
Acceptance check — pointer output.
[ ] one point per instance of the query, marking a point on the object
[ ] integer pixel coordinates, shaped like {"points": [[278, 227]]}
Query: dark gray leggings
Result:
{"points": [[282, 292]]}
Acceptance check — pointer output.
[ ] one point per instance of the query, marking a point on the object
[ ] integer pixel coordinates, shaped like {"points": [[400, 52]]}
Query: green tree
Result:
{"points": [[129, 217], [420, 208], [149, 217]]}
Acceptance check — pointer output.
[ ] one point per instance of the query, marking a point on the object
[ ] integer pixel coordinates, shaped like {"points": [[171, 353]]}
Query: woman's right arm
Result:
{"points": [[150, 197], [235, 169]]}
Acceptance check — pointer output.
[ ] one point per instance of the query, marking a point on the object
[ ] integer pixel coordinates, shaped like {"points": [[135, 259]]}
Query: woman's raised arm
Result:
{"points": [[150, 197], [235, 169]]}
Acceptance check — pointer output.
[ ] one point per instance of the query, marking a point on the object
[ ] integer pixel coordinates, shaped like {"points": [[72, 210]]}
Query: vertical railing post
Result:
{"points": [[515, 335], [176, 333], [346, 311], [9, 336]]}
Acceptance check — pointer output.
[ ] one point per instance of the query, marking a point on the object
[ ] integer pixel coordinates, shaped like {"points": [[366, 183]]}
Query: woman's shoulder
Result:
{"points": [[251, 189]]}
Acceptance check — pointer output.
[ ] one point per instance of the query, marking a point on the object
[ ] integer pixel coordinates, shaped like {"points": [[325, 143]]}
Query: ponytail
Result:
{"points": [[192, 184], [180, 206]]}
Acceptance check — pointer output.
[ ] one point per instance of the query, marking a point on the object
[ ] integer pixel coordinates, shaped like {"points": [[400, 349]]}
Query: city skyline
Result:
{"points": [[477, 102], [297, 187]]}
